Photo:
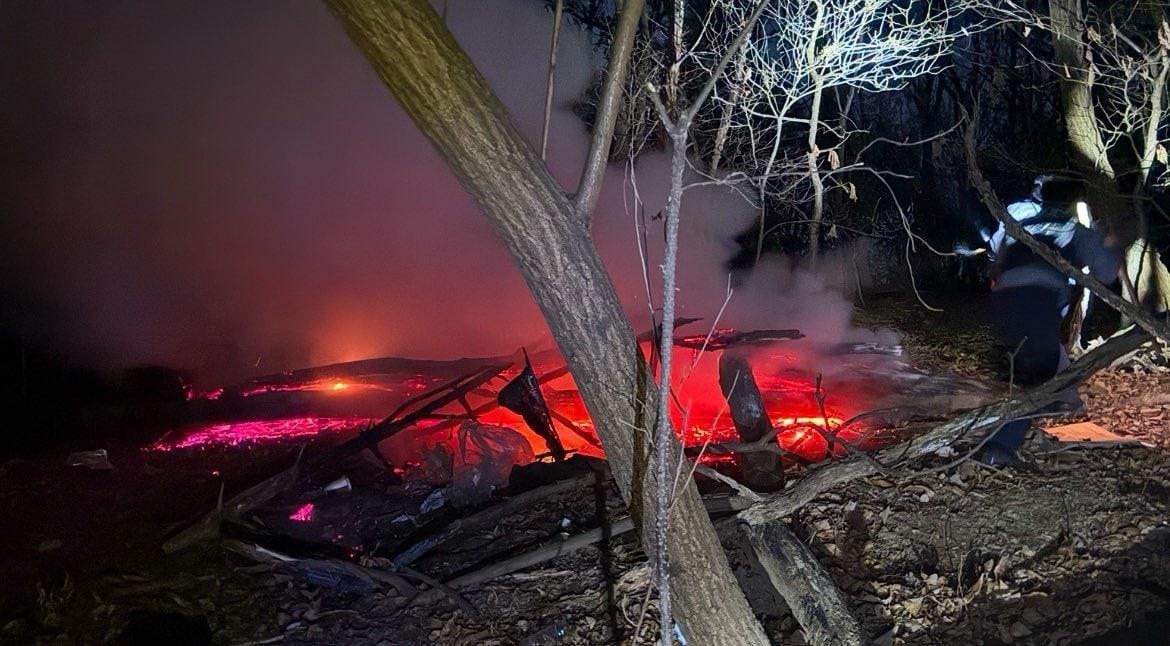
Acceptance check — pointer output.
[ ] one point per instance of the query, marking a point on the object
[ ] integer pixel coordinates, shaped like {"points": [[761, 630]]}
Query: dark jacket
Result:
{"points": [[1055, 226]]}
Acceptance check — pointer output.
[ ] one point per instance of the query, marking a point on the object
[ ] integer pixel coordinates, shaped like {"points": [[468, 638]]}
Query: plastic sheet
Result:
{"points": [[473, 458]]}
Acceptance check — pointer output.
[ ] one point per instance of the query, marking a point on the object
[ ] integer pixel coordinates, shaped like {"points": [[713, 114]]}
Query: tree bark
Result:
{"points": [[1076, 89], [728, 112], [805, 585], [437, 85], [589, 188], [1143, 265], [814, 153], [1146, 271]]}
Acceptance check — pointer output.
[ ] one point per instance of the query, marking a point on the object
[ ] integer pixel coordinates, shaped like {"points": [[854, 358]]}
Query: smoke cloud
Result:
{"points": [[227, 187]]}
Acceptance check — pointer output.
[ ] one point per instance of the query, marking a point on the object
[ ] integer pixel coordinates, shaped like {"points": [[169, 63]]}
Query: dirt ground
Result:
{"points": [[1075, 550]]}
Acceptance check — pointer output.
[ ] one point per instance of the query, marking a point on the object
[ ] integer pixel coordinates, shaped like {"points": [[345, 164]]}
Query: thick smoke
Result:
{"points": [[228, 188]]}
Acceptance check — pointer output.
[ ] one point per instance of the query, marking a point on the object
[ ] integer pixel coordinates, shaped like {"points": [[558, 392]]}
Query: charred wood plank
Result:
{"points": [[549, 551], [208, 527], [762, 470], [723, 339], [577, 430], [487, 516], [537, 556], [375, 578]]}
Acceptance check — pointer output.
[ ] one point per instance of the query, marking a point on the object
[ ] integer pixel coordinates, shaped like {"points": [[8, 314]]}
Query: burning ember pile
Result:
{"points": [[341, 400], [203, 436]]}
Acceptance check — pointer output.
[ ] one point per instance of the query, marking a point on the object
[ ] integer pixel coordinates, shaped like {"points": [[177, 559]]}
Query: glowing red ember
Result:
{"points": [[700, 413], [303, 514]]}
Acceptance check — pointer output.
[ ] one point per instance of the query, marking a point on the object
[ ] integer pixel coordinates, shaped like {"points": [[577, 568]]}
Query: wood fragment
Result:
{"points": [[762, 471], [489, 515], [376, 578], [811, 594], [541, 554], [243, 502], [721, 339]]}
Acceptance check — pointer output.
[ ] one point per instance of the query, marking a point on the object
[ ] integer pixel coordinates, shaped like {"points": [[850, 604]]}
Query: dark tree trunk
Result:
{"points": [[437, 85]]}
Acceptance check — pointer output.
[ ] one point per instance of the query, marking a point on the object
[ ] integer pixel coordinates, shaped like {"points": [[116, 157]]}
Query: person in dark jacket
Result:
{"points": [[1030, 297]]}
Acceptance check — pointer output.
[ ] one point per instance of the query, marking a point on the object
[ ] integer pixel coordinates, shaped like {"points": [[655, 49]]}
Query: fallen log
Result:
{"points": [[723, 339], [814, 599], [440, 587]]}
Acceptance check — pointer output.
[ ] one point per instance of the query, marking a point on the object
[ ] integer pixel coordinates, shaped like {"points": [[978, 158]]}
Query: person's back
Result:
{"points": [[1056, 226], [1030, 296]]}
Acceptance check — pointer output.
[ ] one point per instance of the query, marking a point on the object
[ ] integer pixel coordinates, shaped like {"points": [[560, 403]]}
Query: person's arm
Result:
{"points": [[996, 241], [1019, 211]]}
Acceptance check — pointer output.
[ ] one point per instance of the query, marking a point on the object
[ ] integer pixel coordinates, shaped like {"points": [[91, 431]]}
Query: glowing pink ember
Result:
{"points": [[320, 385], [303, 514], [258, 431]]}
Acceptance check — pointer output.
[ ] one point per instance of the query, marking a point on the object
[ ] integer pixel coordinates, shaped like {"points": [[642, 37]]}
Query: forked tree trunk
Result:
{"points": [[437, 85], [1145, 270], [1143, 265]]}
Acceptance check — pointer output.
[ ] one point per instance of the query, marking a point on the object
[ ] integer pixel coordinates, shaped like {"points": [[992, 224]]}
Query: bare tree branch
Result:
{"points": [[589, 188], [1140, 316], [985, 419], [552, 75]]}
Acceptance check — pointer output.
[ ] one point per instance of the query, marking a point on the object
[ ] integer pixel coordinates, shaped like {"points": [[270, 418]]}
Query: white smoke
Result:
{"points": [[253, 200]]}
